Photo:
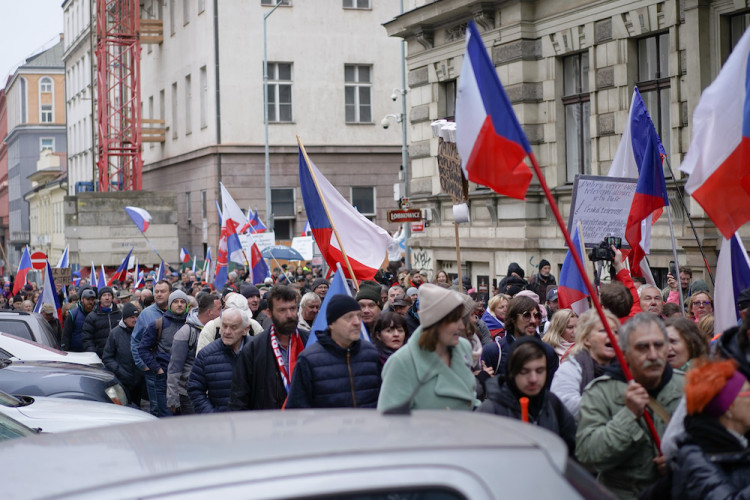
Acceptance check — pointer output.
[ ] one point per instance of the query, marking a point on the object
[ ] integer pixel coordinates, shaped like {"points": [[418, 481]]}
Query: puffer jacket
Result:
{"points": [[96, 328], [711, 463], [72, 329], [155, 352], [545, 409], [210, 382], [181, 358], [329, 376], [117, 357]]}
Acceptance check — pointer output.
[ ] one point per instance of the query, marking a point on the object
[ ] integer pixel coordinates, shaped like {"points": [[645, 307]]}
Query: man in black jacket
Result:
{"points": [[263, 373], [119, 360], [340, 370], [100, 322]]}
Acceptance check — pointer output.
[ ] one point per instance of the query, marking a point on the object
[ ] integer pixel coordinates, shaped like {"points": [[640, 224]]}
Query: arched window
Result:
{"points": [[45, 84]]}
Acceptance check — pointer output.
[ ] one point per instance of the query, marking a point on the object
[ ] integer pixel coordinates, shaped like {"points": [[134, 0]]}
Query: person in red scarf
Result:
{"points": [[264, 369]]}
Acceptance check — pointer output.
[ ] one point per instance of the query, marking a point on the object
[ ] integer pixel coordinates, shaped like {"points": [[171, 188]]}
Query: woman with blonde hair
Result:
{"points": [[592, 353], [561, 334], [701, 304], [494, 315]]}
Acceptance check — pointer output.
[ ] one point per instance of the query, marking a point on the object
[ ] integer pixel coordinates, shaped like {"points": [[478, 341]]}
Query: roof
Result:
{"points": [[50, 58]]}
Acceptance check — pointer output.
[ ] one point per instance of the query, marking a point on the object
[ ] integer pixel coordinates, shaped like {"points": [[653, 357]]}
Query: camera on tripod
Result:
{"points": [[604, 250]]}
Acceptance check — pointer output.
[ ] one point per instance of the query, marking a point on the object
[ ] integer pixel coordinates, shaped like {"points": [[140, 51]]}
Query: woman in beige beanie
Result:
{"points": [[433, 370]]}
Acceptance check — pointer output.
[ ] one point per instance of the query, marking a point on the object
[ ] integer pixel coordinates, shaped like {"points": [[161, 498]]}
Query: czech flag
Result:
{"points": [[718, 159], [231, 210], [101, 282], [641, 147], [572, 292], [732, 277], [306, 230], [138, 281], [49, 294], [63, 263], [122, 272], [140, 217], [221, 274], [206, 263], [364, 242], [256, 225], [23, 268], [160, 272], [184, 255], [494, 325], [258, 265], [489, 138]]}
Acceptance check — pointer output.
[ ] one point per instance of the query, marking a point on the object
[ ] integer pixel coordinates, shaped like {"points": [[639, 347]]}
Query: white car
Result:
{"points": [[12, 347], [52, 415]]}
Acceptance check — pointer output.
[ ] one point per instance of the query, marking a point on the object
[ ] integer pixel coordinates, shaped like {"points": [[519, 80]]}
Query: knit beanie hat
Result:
{"points": [[435, 303], [235, 300], [177, 294], [712, 386], [129, 310], [542, 263], [318, 282], [105, 289], [339, 305], [249, 290], [370, 290]]}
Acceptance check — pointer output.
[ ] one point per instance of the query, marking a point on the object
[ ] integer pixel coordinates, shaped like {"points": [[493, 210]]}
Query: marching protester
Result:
{"points": [[686, 343], [394, 293], [700, 304], [436, 355], [49, 314], [308, 310], [252, 294], [494, 315], [561, 334], [389, 334], [370, 301], [212, 329], [118, 359], [650, 299], [539, 283], [340, 370], [100, 322]]}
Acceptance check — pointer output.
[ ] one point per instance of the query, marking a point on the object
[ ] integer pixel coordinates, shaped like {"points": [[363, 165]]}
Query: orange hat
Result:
{"points": [[712, 386]]}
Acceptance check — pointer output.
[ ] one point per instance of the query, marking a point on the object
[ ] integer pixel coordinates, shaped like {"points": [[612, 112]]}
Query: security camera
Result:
{"points": [[385, 123], [394, 96]]}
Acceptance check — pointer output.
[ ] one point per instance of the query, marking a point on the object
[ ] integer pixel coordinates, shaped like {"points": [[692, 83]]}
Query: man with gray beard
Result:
{"points": [[612, 436]]}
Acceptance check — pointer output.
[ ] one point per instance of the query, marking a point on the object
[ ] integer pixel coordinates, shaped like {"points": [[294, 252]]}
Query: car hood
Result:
{"points": [[54, 367], [83, 358], [60, 415]]}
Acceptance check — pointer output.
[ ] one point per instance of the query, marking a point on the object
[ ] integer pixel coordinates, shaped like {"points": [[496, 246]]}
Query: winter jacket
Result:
{"points": [[118, 359], [569, 380], [182, 358], [491, 351], [212, 331], [623, 276], [483, 332], [210, 382], [145, 319], [413, 374], [256, 382], [711, 463], [329, 376], [97, 326], [156, 349], [72, 339], [538, 284], [545, 409], [615, 443]]}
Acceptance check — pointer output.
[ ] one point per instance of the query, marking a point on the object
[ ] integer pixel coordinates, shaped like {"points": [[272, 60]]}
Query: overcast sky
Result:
{"points": [[27, 27]]}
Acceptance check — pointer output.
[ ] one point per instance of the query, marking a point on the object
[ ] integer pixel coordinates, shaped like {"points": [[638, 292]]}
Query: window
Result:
{"points": [[186, 11], [447, 100], [737, 26], [204, 97], [279, 92], [577, 105], [204, 213], [284, 213], [363, 199], [358, 93], [22, 89], [653, 83], [201, 6], [162, 104], [188, 105], [174, 110], [47, 143], [271, 3], [46, 113], [171, 16], [45, 84], [356, 4], [187, 207]]}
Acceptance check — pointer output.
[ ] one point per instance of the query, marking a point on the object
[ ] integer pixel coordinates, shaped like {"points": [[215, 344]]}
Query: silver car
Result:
{"points": [[300, 454]]}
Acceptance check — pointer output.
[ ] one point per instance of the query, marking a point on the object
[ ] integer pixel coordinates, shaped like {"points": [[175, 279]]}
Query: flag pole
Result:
{"points": [[592, 291], [272, 255], [676, 262], [690, 219], [152, 246], [325, 206], [458, 261]]}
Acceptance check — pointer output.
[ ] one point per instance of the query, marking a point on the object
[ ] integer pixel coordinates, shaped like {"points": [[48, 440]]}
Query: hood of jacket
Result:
{"points": [[729, 344], [192, 319], [515, 268]]}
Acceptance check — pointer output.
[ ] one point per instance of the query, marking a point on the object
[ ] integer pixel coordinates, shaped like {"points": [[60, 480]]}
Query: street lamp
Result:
{"points": [[269, 215]]}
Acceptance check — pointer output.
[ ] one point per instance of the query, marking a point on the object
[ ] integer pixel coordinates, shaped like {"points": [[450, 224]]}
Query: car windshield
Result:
{"points": [[10, 401], [11, 429]]}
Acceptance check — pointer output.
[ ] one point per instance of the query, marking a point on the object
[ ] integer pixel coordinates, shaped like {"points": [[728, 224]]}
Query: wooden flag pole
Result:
{"points": [[592, 291], [676, 262], [328, 214]]}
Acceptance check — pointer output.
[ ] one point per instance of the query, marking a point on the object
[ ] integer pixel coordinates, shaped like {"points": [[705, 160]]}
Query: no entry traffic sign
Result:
{"points": [[38, 260]]}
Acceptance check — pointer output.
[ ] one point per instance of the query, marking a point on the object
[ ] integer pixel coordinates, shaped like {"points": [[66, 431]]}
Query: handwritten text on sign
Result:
{"points": [[602, 205], [452, 180]]}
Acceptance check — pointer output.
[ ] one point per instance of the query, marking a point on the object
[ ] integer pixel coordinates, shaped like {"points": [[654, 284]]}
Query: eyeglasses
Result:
{"points": [[701, 303], [527, 315]]}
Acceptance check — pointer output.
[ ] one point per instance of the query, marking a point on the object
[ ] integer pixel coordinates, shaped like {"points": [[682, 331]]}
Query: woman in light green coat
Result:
{"points": [[433, 370]]}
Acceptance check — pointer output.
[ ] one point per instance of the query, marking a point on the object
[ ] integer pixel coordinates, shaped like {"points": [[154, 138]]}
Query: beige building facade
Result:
{"points": [[569, 68]]}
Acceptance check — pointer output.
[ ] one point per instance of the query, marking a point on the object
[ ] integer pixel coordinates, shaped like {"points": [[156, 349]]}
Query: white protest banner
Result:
{"points": [[304, 245], [602, 205], [263, 240]]}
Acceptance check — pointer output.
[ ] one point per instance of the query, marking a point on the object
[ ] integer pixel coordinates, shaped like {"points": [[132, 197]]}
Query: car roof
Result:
{"points": [[183, 445]]}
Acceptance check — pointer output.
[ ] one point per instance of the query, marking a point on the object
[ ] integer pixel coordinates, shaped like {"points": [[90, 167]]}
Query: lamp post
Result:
{"points": [[269, 215]]}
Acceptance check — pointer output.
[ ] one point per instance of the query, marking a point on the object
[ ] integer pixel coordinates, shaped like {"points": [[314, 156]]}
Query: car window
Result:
{"points": [[10, 429], [49, 335], [5, 354], [17, 328]]}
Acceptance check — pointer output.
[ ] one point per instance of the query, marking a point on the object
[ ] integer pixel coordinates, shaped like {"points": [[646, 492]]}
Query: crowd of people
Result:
{"points": [[179, 347]]}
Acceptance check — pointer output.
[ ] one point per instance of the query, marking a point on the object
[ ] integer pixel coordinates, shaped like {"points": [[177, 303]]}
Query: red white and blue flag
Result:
{"points": [[258, 265], [639, 155], [49, 294], [306, 230], [732, 277], [572, 292], [207, 264], [718, 159], [489, 138], [139, 282], [364, 242], [23, 268], [160, 272], [122, 272], [140, 217], [63, 262], [184, 255], [231, 210], [256, 225], [101, 282]]}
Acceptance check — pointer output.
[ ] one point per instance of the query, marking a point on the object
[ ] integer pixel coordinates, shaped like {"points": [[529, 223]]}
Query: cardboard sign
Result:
{"points": [[602, 205], [61, 276], [263, 240], [452, 179]]}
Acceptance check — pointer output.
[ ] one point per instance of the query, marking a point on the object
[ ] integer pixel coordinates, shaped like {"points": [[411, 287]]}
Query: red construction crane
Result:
{"points": [[118, 68]]}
